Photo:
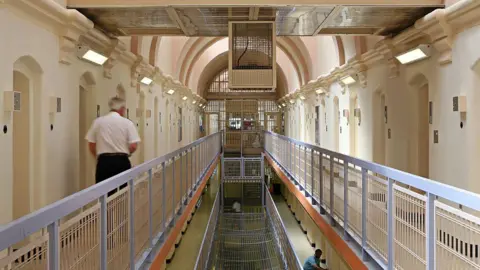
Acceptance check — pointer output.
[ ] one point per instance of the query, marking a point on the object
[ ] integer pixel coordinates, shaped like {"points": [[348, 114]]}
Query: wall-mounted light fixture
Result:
{"points": [[349, 79], [193, 102], [279, 106], [146, 80], [185, 98], [284, 105], [170, 92], [302, 97], [85, 53], [292, 101], [414, 55]]}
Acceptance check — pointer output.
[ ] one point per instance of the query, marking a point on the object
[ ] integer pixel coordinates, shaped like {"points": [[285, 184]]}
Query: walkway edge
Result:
{"points": [[347, 254], [170, 241]]}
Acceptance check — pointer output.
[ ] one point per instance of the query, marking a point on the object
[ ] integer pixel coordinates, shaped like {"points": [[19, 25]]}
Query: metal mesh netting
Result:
{"points": [[252, 46], [246, 241]]}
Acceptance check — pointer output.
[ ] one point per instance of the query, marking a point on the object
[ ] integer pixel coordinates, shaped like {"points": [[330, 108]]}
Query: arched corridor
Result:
{"points": [[362, 116]]}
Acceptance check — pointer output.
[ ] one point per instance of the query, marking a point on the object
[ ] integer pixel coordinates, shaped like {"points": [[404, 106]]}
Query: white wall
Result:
{"points": [[454, 160], [58, 154]]}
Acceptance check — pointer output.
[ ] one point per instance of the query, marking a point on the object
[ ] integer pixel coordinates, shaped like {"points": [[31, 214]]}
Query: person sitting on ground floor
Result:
{"points": [[314, 262]]}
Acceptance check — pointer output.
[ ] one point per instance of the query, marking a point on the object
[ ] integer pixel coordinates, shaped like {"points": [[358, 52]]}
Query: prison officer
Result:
{"points": [[112, 139]]}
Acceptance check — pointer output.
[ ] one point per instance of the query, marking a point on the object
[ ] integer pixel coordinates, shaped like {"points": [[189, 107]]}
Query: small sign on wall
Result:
{"points": [[160, 120], [435, 136], [430, 112], [59, 105], [389, 133], [98, 110], [386, 114]]}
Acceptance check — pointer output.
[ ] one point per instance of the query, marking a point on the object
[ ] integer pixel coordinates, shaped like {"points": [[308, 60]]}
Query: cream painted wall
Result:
{"points": [[177, 45], [321, 50], [164, 57], [57, 160], [454, 160], [349, 46], [217, 48], [293, 81], [145, 49]]}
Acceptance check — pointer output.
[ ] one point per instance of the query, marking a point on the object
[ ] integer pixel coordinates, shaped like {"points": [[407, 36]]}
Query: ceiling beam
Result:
{"points": [[330, 17], [196, 3], [172, 13], [253, 13]]}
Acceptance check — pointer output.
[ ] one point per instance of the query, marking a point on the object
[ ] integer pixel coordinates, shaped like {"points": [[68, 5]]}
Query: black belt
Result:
{"points": [[113, 155]]}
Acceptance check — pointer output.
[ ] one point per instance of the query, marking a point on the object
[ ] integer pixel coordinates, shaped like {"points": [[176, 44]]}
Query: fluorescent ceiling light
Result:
{"points": [[302, 97], [414, 55], [193, 102], [348, 80], [185, 98], [319, 91], [279, 106], [170, 92], [292, 101], [284, 105], [94, 57], [146, 81]]}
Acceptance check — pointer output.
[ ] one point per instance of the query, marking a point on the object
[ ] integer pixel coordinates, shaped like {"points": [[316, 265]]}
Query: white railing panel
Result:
{"points": [[132, 227], [426, 233]]}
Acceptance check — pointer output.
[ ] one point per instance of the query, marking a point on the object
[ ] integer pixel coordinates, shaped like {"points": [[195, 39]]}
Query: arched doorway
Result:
{"points": [[353, 122], [379, 133], [141, 126], [336, 125], [27, 138], [420, 150], [423, 132], [167, 126], [86, 117], [156, 118]]}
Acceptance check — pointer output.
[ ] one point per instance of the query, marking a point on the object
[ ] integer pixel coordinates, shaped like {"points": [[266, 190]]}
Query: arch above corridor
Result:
{"points": [[293, 48], [220, 63]]}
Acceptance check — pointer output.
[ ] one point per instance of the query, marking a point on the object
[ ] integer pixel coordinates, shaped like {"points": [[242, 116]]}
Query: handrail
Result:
{"points": [[206, 246], [198, 153], [290, 256], [370, 208], [454, 194]]}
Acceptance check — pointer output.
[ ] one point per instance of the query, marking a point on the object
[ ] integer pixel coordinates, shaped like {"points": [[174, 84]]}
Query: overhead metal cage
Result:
{"points": [[252, 55]]}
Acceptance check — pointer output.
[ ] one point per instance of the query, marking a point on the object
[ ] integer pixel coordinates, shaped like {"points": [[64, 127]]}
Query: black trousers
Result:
{"points": [[109, 165]]}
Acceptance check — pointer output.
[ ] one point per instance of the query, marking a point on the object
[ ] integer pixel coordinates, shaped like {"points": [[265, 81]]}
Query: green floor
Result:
{"points": [[186, 253], [297, 237]]}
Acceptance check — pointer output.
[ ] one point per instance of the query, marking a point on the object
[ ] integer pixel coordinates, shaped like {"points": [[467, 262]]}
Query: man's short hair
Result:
{"points": [[318, 250], [116, 103]]}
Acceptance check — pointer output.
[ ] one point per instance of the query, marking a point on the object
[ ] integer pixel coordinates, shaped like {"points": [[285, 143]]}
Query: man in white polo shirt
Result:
{"points": [[112, 139]]}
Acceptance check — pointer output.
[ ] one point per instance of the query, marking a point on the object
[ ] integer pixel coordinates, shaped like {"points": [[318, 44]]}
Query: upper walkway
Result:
{"points": [[397, 219]]}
